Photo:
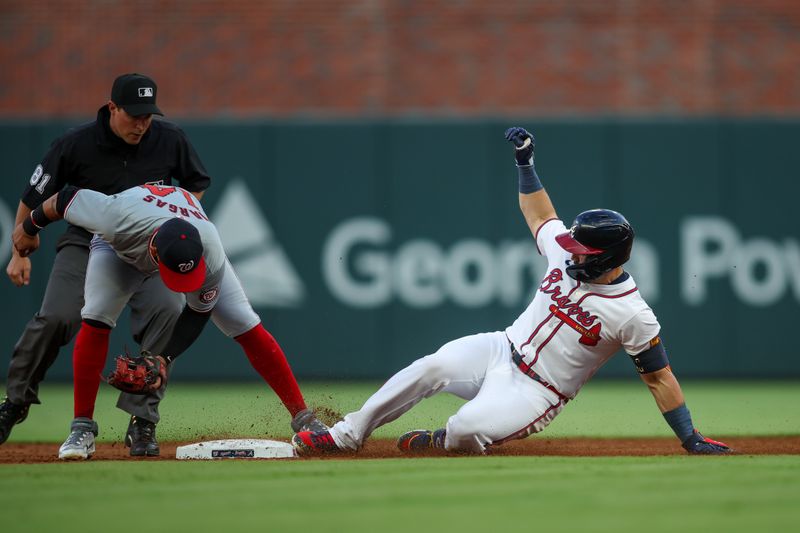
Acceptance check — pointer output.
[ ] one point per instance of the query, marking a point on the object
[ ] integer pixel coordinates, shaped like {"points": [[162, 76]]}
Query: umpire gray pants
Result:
{"points": [[153, 313]]}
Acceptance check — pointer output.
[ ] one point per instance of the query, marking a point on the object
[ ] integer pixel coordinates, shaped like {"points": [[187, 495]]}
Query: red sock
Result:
{"points": [[268, 359], [88, 360]]}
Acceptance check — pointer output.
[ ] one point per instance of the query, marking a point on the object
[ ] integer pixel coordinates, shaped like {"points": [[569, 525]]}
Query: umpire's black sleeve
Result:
{"points": [[190, 171], [50, 175]]}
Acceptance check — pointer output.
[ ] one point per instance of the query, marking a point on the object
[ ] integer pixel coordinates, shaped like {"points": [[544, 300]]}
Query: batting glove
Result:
{"points": [[698, 444], [523, 143]]}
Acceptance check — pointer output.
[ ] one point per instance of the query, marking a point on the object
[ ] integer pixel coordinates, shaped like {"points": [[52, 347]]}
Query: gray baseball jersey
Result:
{"points": [[125, 223]]}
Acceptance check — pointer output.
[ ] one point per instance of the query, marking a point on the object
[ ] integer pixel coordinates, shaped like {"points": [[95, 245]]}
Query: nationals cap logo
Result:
{"points": [[180, 255]]}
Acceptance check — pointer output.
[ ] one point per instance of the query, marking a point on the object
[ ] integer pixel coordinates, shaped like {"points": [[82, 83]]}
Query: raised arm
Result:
{"points": [[533, 199]]}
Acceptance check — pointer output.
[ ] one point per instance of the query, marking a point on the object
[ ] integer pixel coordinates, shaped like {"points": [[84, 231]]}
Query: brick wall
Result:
{"points": [[276, 58]]}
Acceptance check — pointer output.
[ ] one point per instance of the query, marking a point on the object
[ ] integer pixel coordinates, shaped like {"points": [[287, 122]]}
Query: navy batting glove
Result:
{"points": [[698, 444], [523, 144]]}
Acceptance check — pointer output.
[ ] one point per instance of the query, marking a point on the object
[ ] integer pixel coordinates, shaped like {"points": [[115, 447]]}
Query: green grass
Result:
{"points": [[602, 409], [452, 494], [654, 494]]}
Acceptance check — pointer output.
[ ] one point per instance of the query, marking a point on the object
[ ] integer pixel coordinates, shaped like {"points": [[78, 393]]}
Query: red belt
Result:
{"points": [[526, 369]]}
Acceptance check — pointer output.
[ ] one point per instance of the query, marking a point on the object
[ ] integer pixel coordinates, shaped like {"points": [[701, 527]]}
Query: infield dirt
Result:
{"points": [[19, 453]]}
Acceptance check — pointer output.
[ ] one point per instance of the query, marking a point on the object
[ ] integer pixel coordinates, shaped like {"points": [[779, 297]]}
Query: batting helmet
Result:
{"points": [[603, 235]]}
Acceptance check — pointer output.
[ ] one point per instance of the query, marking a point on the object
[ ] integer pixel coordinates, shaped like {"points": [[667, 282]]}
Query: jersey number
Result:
{"points": [[39, 179], [163, 190]]}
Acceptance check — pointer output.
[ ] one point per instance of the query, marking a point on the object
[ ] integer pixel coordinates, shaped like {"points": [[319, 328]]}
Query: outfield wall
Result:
{"points": [[366, 244]]}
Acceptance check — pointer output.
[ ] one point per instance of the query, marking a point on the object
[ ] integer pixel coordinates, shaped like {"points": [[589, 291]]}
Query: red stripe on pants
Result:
{"points": [[268, 359], [88, 360]]}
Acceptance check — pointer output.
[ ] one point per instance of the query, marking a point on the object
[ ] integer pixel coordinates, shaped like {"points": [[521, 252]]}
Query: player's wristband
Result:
{"points": [[39, 218], [30, 227], [36, 222], [528, 180], [680, 421]]}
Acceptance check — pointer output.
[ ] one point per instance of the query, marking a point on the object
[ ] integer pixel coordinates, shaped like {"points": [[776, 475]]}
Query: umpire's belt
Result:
{"points": [[528, 371]]}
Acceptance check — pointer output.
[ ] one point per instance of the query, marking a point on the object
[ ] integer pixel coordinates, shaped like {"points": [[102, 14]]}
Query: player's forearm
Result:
{"points": [[537, 208], [669, 397], [50, 208], [23, 211], [43, 215], [665, 389], [533, 199]]}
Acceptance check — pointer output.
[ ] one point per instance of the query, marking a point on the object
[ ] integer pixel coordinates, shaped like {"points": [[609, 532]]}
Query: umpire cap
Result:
{"points": [[180, 255], [136, 94]]}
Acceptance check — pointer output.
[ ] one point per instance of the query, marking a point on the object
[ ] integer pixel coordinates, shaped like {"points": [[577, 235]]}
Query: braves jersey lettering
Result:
{"points": [[563, 302]]}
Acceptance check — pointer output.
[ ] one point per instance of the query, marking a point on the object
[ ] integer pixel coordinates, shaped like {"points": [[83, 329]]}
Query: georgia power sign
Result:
{"points": [[364, 266]]}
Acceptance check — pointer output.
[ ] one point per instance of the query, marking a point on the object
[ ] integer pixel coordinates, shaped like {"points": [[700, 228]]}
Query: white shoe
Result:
{"points": [[80, 443]]}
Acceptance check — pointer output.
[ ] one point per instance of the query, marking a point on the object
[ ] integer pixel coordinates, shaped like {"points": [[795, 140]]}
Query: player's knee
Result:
{"points": [[99, 323], [167, 306], [56, 316], [464, 434], [53, 322]]}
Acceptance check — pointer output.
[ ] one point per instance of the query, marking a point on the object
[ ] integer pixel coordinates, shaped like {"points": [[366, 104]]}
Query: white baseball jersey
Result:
{"points": [[571, 328], [125, 223], [567, 332]]}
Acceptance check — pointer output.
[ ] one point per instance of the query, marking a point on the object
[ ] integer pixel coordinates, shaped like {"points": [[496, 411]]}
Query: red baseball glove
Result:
{"points": [[139, 375]]}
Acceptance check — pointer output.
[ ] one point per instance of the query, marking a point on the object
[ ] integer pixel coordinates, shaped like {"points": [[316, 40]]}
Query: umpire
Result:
{"points": [[124, 147]]}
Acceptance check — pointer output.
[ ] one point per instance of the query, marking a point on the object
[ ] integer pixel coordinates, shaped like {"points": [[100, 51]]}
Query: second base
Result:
{"points": [[236, 449]]}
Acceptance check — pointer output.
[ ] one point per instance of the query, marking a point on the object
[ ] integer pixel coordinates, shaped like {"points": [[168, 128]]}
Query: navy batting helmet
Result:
{"points": [[603, 235]]}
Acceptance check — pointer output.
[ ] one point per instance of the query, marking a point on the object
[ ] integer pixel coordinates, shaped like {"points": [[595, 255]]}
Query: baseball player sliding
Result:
{"points": [[140, 232], [518, 380]]}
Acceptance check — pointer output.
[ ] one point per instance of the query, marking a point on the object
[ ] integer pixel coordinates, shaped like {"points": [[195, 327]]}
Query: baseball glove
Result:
{"points": [[139, 375]]}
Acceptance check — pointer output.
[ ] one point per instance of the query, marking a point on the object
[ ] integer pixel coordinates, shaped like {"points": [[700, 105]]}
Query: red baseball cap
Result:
{"points": [[568, 242], [180, 255]]}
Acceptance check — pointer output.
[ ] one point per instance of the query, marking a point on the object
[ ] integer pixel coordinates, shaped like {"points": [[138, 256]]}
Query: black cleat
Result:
{"points": [[420, 440], [141, 438], [10, 414]]}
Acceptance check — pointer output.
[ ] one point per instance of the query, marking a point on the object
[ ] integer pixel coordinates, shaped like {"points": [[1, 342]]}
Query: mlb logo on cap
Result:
{"points": [[136, 94]]}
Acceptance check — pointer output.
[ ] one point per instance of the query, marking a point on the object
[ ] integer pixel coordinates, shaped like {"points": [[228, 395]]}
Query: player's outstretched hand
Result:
{"points": [[698, 444], [24, 244], [523, 144]]}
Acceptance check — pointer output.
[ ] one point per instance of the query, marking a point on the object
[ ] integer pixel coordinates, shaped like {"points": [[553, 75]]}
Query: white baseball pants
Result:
{"points": [[503, 403]]}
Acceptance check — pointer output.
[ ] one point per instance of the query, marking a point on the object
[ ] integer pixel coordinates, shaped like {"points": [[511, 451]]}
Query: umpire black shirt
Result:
{"points": [[92, 156]]}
